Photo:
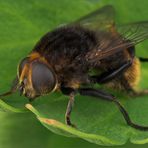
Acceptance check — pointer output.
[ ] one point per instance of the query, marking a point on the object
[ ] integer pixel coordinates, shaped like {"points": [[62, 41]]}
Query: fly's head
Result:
{"points": [[35, 77]]}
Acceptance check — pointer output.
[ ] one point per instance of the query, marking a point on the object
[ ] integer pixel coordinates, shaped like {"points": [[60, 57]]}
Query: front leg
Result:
{"points": [[69, 109], [71, 93], [13, 89]]}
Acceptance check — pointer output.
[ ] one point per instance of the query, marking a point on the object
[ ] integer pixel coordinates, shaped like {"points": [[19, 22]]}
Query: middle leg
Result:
{"points": [[108, 76]]}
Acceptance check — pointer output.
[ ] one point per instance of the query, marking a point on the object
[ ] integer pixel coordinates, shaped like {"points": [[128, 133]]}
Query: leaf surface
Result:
{"points": [[21, 26]]}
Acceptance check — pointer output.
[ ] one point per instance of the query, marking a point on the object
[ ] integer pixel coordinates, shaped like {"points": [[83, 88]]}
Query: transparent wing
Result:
{"points": [[101, 19], [112, 38], [134, 32], [121, 38]]}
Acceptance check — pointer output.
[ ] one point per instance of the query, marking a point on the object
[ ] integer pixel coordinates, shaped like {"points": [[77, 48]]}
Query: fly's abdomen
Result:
{"points": [[133, 73]]}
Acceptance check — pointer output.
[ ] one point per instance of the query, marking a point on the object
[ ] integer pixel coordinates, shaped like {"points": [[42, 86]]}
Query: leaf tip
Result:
{"points": [[29, 106]]}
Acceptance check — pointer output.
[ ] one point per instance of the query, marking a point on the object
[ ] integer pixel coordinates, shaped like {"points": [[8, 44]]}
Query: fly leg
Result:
{"points": [[6, 93], [69, 109], [109, 75], [71, 93], [13, 88], [143, 59], [99, 94]]}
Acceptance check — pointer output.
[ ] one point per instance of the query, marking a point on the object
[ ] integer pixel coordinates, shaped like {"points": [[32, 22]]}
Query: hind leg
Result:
{"points": [[143, 59]]}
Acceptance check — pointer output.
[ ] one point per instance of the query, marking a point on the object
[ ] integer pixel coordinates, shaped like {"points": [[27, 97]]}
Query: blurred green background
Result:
{"points": [[22, 23]]}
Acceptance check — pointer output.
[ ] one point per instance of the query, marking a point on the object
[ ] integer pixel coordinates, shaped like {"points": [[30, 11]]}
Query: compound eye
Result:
{"points": [[43, 79], [21, 65]]}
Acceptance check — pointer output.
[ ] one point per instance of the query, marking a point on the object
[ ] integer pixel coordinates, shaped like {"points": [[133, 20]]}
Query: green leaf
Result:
{"points": [[8, 108], [63, 129], [21, 26]]}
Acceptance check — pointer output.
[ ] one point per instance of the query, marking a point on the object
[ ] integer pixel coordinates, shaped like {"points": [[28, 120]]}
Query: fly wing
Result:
{"points": [[101, 19], [126, 36], [134, 32], [112, 38], [121, 38]]}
